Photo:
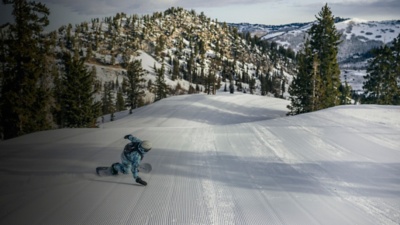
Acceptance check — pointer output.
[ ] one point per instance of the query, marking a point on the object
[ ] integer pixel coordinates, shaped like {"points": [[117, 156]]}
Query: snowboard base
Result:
{"points": [[106, 170]]}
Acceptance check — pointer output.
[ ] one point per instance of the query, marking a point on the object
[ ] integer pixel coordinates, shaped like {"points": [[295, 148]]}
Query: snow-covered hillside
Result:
{"points": [[116, 75], [359, 36], [190, 46], [223, 159]]}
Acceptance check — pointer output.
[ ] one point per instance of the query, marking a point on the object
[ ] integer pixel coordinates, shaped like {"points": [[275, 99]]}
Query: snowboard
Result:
{"points": [[106, 170]]}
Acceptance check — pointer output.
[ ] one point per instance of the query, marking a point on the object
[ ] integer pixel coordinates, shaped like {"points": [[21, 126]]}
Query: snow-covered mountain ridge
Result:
{"points": [[358, 37], [190, 46]]}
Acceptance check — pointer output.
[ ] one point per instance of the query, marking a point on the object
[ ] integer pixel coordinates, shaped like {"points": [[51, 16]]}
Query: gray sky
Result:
{"points": [[271, 12]]}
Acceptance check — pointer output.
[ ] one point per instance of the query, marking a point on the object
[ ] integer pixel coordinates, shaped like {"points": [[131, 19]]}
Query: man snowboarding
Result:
{"points": [[130, 158]]}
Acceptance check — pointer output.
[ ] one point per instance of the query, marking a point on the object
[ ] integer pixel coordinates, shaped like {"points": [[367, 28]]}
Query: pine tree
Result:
{"points": [[160, 84], [263, 85], [252, 85], [345, 94], [396, 55], [301, 89], [316, 86], [159, 46], [120, 103], [231, 86], [283, 88], [108, 99], [58, 91], [190, 70], [136, 84], [77, 102], [324, 41], [175, 70], [25, 71], [210, 83], [381, 85], [219, 84], [89, 52], [124, 86]]}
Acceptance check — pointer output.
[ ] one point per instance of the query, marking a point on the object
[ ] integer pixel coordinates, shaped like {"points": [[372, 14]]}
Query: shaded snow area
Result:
{"points": [[224, 159]]}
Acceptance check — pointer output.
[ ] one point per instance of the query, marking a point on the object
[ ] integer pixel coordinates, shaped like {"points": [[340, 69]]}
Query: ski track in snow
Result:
{"points": [[333, 183], [225, 159]]}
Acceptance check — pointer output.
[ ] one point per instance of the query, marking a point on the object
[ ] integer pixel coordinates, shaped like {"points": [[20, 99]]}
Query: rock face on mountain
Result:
{"points": [[176, 34], [195, 52]]}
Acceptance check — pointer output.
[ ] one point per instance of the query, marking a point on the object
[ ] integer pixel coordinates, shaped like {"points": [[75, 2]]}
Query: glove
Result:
{"points": [[140, 181], [127, 136]]}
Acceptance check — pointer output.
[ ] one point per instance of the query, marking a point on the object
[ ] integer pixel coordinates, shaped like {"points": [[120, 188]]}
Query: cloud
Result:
{"points": [[381, 10], [97, 7], [253, 11], [368, 4], [365, 9]]}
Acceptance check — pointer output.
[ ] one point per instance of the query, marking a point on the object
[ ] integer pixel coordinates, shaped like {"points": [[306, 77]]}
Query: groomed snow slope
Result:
{"points": [[224, 159]]}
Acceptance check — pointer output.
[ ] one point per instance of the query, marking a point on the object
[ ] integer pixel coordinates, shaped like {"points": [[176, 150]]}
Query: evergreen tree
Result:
{"points": [[316, 85], [77, 102], [231, 86], [108, 99], [396, 55], [159, 46], [345, 94], [160, 84], [210, 83], [136, 84], [120, 103], [301, 89], [175, 70], [381, 85], [190, 70], [124, 86], [58, 94], [252, 85], [324, 41], [25, 70], [283, 88], [150, 85], [263, 85], [218, 84]]}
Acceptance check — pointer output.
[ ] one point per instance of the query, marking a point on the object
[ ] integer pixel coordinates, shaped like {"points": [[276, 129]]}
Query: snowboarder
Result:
{"points": [[131, 156]]}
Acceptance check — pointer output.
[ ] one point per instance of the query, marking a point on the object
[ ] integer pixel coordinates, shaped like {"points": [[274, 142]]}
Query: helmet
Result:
{"points": [[146, 145]]}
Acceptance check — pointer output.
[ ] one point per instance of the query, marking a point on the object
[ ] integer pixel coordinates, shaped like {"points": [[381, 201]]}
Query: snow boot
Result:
{"points": [[113, 170], [140, 181]]}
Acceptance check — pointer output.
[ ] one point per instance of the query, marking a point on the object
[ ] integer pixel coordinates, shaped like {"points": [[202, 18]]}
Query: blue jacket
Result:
{"points": [[131, 159]]}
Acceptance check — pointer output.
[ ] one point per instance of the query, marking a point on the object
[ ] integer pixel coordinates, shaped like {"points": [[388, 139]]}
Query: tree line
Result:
{"points": [[382, 82], [38, 90], [41, 88], [317, 84]]}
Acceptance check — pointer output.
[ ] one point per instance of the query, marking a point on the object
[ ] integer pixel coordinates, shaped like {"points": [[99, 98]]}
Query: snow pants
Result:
{"points": [[125, 166]]}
